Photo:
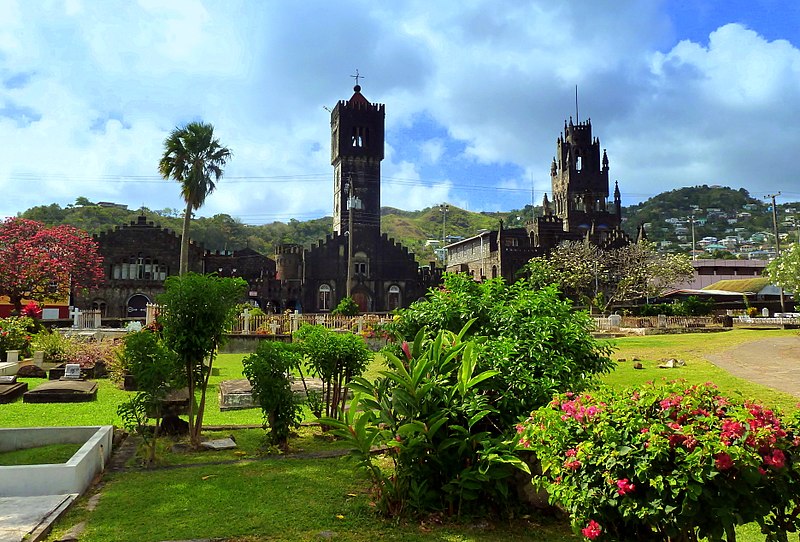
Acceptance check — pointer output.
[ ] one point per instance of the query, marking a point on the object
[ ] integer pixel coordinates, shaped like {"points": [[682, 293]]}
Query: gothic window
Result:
{"points": [[393, 298], [324, 300], [578, 163]]}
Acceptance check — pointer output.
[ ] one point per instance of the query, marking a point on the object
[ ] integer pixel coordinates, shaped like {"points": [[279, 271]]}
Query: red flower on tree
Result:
{"points": [[45, 263]]}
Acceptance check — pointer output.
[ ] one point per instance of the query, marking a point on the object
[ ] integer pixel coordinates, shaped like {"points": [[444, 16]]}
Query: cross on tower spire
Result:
{"points": [[357, 76]]}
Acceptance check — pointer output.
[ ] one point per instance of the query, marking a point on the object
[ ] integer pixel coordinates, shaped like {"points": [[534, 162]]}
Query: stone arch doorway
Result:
{"points": [[362, 299], [137, 306]]}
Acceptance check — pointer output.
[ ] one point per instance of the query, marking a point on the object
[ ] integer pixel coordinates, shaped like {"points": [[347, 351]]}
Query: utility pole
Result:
{"points": [[349, 189], [694, 246], [777, 239]]}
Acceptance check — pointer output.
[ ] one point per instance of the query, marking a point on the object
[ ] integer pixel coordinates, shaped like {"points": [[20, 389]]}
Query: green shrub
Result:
{"points": [[15, 334], [336, 358], [57, 347], [346, 307], [268, 371], [432, 409], [157, 370], [675, 462], [535, 340]]}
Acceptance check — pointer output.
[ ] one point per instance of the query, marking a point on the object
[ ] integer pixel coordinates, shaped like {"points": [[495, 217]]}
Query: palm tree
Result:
{"points": [[193, 158]]}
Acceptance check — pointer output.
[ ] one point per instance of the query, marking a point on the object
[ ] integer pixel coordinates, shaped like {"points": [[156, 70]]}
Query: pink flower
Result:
{"points": [[572, 465], [644, 430], [592, 530], [406, 350], [625, 486], [572, 452], [775, 459], [520, 428], [723, 461]]}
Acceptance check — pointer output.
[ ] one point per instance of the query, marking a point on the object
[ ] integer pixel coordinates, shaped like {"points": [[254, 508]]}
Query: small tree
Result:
{"points": [[198, 309], [336, 358], [157, 370], [45, 264], [605, 278], [269, 370]]}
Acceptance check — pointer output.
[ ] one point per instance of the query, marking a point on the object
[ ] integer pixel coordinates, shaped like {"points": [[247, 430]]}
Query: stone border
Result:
{"points": [[74, 476]]}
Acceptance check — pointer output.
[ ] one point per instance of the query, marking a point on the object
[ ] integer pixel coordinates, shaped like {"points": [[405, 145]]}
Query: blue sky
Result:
{"points": [[680, 93]]}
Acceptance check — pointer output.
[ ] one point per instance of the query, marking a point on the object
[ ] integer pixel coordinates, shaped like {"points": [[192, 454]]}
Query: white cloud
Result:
{"points": [[475, 92]]}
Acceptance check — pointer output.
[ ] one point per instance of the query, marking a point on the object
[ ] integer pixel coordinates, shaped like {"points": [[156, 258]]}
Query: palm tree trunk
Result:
{"points": [[187, 217]]}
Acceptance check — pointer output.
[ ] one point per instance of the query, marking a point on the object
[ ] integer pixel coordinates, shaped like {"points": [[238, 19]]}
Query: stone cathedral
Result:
{"points": [[578, 211]]}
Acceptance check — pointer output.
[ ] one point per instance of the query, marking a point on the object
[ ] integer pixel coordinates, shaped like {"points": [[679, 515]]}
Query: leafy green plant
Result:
{"points": [[157, 370], [535, 340], [268, 371], [675, 462], [197, 310], [334, 357], [346, 307], [56, 346], [432, 410], [15, 334]]}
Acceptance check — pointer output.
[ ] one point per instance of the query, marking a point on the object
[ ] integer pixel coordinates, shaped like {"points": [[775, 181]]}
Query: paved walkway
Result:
{"points": [[23, 516], [773, 362]]}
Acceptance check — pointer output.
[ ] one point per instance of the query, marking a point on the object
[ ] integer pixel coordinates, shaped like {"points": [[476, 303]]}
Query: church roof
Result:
{"points": [[357, 97]]}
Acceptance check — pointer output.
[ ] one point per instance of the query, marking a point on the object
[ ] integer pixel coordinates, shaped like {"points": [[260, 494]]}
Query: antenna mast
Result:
{"points": [[577, 118]]}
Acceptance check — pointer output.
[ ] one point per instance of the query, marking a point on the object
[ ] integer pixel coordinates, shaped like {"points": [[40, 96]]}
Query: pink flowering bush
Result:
{"points": [[675, 462]]}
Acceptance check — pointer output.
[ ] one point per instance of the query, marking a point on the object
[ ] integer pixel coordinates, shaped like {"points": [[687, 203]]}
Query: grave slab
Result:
{"points": [[10, 392], [238, 394], [62, 391], [219, 444]]}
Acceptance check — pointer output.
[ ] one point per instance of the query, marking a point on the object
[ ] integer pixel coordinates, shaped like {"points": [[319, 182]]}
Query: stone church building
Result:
{"points": [[579, 210], [356, 259]]}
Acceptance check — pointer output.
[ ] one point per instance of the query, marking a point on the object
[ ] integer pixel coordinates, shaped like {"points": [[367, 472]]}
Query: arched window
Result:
{"points": [[393, 301], [324, 299]]}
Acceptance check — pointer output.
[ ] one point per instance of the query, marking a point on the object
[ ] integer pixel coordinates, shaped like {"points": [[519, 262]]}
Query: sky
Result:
{"points": [[679, 92]]}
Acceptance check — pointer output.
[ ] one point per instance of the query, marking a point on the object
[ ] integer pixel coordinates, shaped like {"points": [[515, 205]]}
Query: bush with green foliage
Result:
{"points": [[691, 306], [57, 347], [196, 312], [157, 370], [268, 371], [346, 307], [16, 334], [671, 462], [432, 409], [335, 357], [535, 340]]}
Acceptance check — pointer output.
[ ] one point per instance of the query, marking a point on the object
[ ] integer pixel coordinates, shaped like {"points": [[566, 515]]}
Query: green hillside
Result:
{"points": [[718, 212]]}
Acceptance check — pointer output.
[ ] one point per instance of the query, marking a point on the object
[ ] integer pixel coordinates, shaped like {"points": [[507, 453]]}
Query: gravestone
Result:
{"points": [[235, 395], [12, 356], [765, 312], [72, 371], [10, 389], [38, 358], [62, 391]]}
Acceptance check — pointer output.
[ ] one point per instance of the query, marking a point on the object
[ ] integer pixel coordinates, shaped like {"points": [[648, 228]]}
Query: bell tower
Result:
{"points": [[357, 134], [579, 176]]}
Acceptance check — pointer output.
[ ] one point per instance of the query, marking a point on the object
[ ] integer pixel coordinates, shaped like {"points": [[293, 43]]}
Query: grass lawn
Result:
{"points": [[49, 454], [253, 499], [691, 347]]}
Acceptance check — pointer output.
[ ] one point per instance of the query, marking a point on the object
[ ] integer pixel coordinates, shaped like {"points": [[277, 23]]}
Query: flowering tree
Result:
{"points": [[785, 270], [605, 278], [45, 264], [673, 462]]}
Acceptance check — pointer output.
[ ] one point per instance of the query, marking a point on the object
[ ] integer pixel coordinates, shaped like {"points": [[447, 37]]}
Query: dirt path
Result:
{"points": [[772, 362]]}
